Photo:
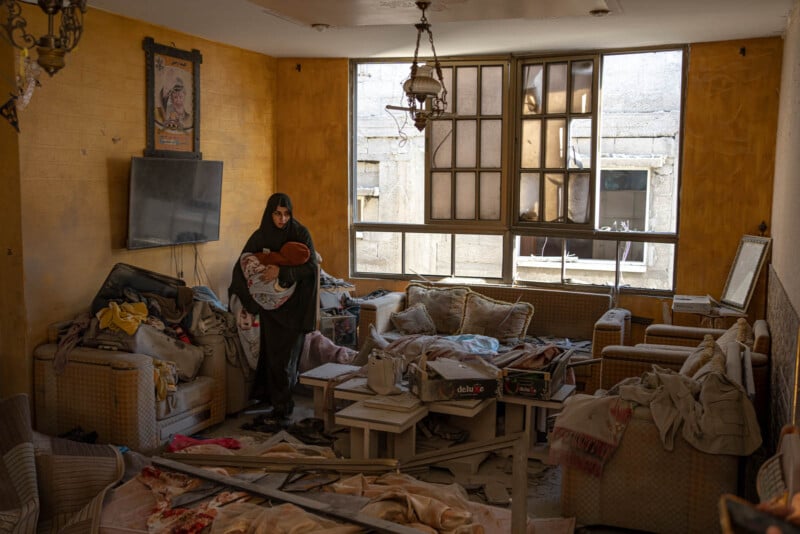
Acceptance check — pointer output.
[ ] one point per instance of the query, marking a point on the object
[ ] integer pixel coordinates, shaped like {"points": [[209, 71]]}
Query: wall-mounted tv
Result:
{"points": [[173, 201]]}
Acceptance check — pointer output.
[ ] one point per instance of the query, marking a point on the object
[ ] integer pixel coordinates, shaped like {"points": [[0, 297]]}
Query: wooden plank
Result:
{"points": [[519, 484], [459, 451], [380, 465], [462, 408], [404, 402], [318, 507], [330, 370], [357, 414]]}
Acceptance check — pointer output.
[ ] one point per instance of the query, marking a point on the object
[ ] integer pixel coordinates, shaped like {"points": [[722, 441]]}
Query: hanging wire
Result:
{"points": [[201, 277], [436, 150], [402, 136], [176, 258]]}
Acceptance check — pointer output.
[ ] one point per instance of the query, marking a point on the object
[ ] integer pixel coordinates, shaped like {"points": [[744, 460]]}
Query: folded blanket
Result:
{"points": [[588, 431]]}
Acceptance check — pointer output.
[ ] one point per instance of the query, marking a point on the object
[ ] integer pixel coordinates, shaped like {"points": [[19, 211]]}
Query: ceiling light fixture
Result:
{"points": [[51, 47], [426, 95]]}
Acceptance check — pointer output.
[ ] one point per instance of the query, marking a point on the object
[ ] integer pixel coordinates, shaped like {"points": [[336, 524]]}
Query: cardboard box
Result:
{"points": [[449, 379], [537, 383]]}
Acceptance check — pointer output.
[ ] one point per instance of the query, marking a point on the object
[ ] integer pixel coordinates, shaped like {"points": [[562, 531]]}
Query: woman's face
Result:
{"points": [[281, 216]]}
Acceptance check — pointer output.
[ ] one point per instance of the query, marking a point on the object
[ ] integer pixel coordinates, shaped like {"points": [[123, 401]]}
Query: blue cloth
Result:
{"points": [[476, 344], [205, 293]]}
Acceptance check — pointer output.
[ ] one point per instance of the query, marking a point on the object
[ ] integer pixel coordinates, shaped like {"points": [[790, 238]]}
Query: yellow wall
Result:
{"points": [[312, 152], [12, 298], [78, 135], [730, 124]]}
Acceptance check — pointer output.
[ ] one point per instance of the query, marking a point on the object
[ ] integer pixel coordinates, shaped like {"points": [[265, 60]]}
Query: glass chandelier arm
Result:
{"points": [[72, 23], [16, 26]]}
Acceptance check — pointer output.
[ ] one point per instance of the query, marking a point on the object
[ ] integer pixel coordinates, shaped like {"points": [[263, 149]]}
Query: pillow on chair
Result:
{"points": [[504, 321], [444, 305], [741, 332], [706, 358], [413, 320]]}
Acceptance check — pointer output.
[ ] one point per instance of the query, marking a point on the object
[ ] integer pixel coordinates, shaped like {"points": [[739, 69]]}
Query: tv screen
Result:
{"points": [[173, 201]]}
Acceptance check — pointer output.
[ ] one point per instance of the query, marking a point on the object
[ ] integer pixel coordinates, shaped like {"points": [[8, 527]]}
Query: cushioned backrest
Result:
{"points": [[505, 321], [444, 305], [559, 313]]}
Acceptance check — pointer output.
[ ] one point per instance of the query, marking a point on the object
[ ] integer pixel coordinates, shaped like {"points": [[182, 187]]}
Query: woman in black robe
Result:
{"points": [[283, 329]]}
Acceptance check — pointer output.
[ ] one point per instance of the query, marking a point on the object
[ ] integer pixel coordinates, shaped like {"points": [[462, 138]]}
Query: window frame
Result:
{"points": [[509, 225]]}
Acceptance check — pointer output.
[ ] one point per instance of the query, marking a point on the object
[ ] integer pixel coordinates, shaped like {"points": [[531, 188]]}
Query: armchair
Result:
{"points": [[113, 393], [645, 487], [668, 346]]}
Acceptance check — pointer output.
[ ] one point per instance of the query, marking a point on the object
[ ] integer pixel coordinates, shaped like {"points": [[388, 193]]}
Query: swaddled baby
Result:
{"points": [[270, 294]]}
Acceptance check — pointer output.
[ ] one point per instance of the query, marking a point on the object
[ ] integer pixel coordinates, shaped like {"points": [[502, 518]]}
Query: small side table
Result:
{"points": [[521, 410], [318, 379], [365, 423]]}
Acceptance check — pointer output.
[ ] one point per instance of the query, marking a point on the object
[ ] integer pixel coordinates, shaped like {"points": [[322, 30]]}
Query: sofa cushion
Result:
{"points": [[444, 305], [189, 396], [502, 320], [707, 354], [413, 320]]}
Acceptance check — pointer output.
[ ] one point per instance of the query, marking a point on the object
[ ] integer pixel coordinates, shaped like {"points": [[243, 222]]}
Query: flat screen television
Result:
{"points": [[173, 201]]}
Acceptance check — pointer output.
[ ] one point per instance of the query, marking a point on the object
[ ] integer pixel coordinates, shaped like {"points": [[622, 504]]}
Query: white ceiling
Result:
{"points": [[384, 28]]}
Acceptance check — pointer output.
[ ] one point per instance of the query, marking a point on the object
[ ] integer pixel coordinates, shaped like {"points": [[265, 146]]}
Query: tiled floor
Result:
{"points": [[543, 480]]}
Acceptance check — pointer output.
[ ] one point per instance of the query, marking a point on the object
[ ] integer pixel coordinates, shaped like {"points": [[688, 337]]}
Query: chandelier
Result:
{"points": [[51, 47], [426, 95]]}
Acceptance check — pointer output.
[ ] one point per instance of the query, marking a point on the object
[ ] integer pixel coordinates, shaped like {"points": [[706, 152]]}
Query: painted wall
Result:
{"points": [[786, 215], [729, 154], [12, 296], [78, 135], [311, 118], [784, 288]]}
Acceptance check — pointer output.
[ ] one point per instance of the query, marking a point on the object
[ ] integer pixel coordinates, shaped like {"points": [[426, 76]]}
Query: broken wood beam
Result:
{"points": [[459, 451], [373, 523], [285, 465]]}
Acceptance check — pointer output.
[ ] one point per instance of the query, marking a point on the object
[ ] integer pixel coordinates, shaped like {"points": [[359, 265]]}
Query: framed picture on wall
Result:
{"points": [[173, 101]]}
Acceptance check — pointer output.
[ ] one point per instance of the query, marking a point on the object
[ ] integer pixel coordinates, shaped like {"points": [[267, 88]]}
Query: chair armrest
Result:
{"points": [[670, 334], [215, 357], [378, 312], [109, 392], [762, 340], [621, 361], [610, 329], [613, 327]]}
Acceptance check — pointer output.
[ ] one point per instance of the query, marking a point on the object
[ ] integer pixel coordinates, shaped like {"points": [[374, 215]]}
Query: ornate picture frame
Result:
{"points": [[742, 278], [173, 101]]}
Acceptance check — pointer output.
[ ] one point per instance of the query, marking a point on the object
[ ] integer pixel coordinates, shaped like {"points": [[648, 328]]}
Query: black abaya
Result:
{"points": [[282, 329]]}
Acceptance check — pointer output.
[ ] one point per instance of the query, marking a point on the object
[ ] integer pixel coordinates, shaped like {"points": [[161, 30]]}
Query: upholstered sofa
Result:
{"points": [[645, 487], [113, 393], [576, 316]]}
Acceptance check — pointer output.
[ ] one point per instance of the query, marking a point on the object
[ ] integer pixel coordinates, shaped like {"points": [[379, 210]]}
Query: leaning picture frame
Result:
{"points": [[173, 101], [742, 278]]}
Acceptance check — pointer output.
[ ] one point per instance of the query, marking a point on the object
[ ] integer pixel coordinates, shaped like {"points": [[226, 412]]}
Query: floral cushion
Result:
{"points": [[444, 305], [504, 321]]}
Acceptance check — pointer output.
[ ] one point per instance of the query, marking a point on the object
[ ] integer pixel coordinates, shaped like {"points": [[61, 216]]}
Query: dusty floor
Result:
{"points": [[544, 481]]}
